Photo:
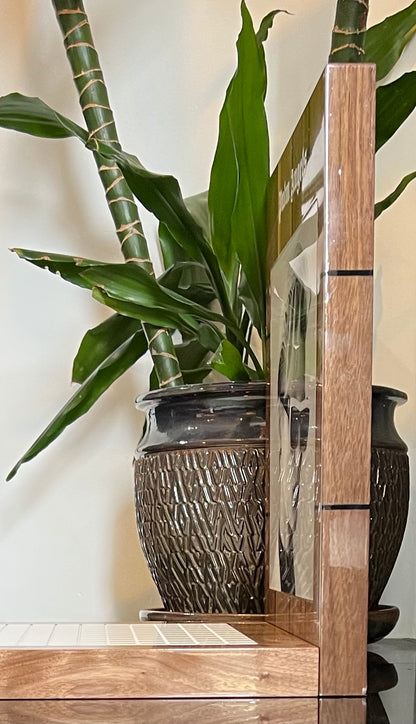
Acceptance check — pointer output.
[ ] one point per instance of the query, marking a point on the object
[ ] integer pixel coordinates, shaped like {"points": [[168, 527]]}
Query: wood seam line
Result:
{"points": [[344, 506], [348, 273]]}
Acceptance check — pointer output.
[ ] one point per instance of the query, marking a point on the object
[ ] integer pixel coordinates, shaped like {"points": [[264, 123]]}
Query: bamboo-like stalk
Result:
{"points": [[349, 31], [93, 97]]}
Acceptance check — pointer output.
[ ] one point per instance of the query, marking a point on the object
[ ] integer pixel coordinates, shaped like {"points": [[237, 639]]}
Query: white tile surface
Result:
{"points": [[93, 635]]}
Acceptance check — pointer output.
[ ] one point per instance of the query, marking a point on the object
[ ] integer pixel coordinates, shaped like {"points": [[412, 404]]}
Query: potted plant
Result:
{"points": [[213, 287]]}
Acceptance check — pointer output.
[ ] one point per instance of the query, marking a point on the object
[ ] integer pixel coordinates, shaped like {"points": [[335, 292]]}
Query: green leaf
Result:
{"points": [[171, 251], [209, 337], [130, 283], [385, 42], [194, 377], [67, 267], [391, 198], [228, 362], [394, 103], [197, 206], [266, 25], [191, 354], [240, 171], [100, 342], [33, 116], [161, 195], [105, 374], [190, 279], [153, 315]]}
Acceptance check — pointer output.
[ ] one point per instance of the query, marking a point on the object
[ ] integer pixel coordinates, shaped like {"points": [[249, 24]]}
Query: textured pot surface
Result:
{"points": [[389, 497], [199, 483], [200, 502]]}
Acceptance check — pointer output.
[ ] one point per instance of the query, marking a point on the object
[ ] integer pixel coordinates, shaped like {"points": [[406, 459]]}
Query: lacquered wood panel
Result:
{"points": [[166, 711], [337, 130], [346, 390], [280, 665], [343, 711], [350, 148], [344, 596]]}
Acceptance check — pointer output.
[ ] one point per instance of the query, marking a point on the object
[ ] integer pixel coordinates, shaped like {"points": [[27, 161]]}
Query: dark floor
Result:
{"points": [[399, 702]]}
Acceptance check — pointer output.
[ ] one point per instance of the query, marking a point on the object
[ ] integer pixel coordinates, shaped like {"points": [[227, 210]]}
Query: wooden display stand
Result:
{"points": [[304, 648]]}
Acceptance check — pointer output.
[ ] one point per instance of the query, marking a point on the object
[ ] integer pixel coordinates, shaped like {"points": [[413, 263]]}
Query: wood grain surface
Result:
{"points": [[162, 711], [350, 171], [346, 390], [344, 591], [337, 130], [281, 665], [343, 711]]}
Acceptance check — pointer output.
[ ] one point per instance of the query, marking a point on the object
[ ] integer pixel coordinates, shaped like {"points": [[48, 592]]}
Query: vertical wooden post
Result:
{"points": [[335, 142]]}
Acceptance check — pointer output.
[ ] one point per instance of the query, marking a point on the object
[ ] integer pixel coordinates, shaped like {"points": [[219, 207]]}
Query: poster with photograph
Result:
{"points": [[294, 285]]}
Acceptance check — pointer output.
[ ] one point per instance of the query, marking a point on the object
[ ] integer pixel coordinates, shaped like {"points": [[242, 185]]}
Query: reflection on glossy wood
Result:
{"points": [[345, 592], [343, 711], [336, 136], [346, 395], [172, 711], [350, 165], [280, 665]]}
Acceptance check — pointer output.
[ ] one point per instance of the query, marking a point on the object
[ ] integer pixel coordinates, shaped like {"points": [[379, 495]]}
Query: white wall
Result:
{"points": [[68, 544]]}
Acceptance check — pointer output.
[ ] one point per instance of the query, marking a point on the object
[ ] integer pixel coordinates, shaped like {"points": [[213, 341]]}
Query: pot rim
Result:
{"points": [[391, 393], [249, 389]]}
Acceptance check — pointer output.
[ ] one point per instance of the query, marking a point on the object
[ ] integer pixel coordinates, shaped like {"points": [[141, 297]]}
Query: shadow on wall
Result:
{"points": [[132, 586]]}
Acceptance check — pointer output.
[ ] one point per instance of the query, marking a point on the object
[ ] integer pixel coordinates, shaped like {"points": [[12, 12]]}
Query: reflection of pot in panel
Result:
{"points": [[293, 412]]}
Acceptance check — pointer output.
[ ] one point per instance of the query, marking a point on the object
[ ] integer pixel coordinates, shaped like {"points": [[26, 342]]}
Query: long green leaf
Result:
{"points": [[67, 267], [100, 342], [33, 116], [130, 283], [172, 252], [391, 198], [228, 362], [394, 103], [240, 171], [152, 315], [161, 195], [85, 396], [190, 280], [385, 42]]}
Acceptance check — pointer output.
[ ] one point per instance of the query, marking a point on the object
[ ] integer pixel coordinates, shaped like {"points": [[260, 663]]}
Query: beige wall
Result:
{"points": [[68, 545]]}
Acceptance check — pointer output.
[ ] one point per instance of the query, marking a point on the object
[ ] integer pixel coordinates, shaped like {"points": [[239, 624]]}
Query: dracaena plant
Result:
{"points": [[213, 246]]}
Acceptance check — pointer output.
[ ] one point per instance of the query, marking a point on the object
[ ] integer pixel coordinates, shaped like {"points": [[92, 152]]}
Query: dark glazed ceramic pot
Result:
{"points": [[199, 483], [389, 490]]}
